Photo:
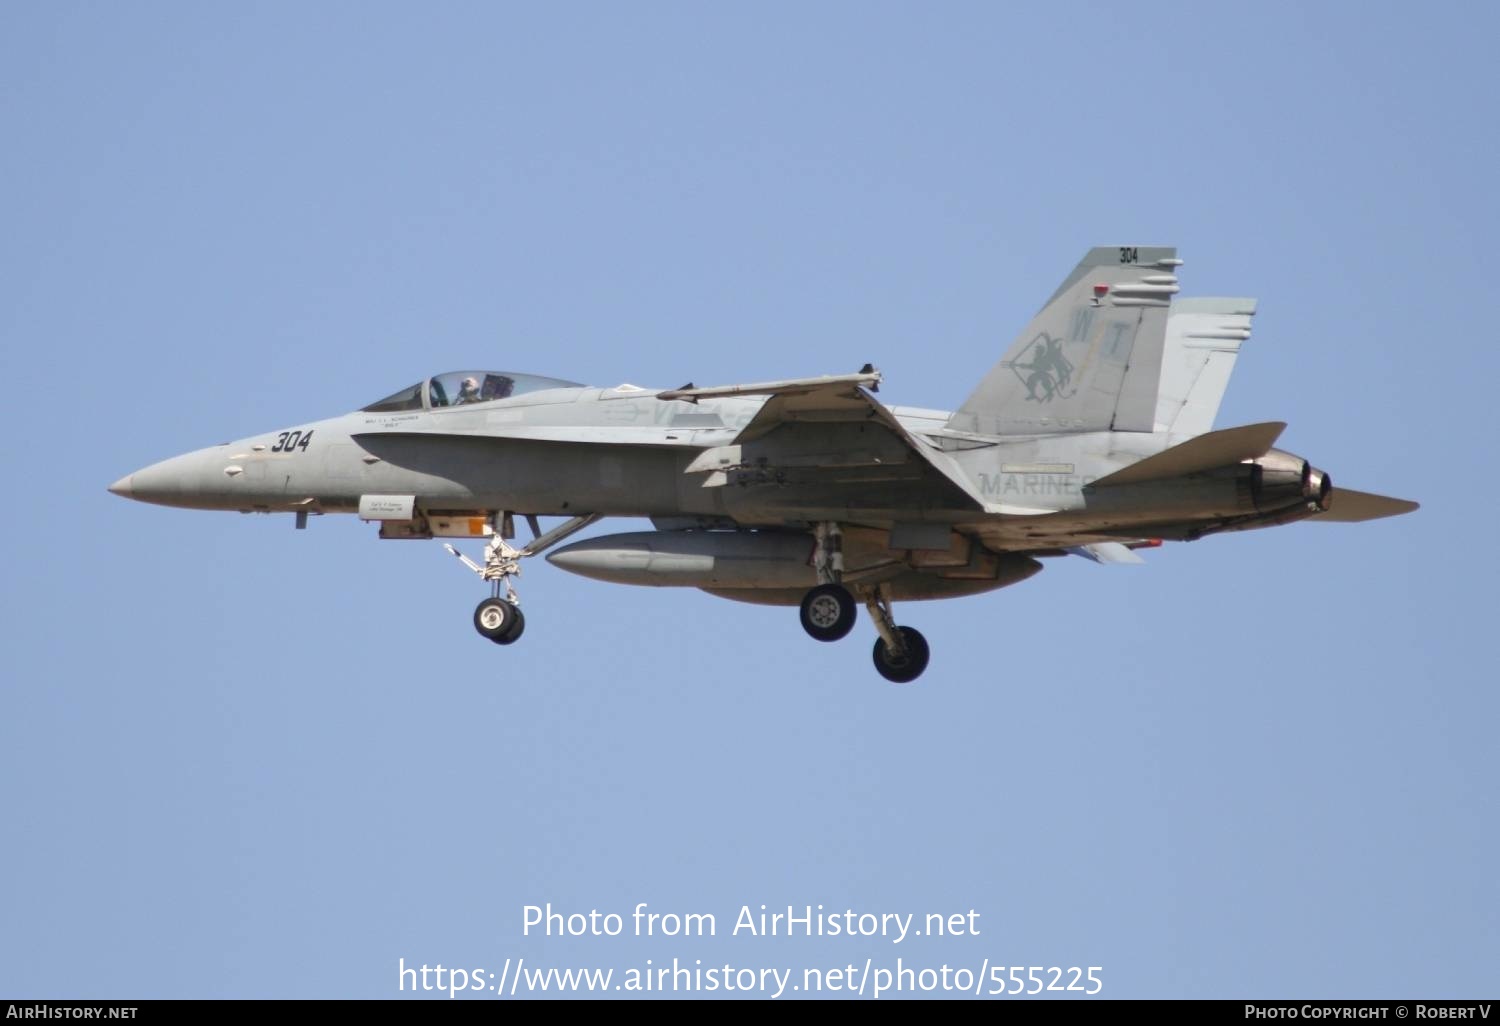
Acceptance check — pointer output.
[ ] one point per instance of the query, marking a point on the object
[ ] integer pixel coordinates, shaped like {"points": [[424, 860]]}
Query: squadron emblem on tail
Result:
{"points": [[1049, 373]]}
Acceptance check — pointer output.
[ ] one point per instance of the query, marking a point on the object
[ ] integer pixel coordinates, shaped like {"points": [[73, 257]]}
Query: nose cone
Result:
{"points": [[174, 482]]}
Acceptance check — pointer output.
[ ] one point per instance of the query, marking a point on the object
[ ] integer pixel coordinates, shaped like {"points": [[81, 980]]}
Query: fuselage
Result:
{"points": [[1092, 435], [553, 451], [618, 452], [557, 448]]}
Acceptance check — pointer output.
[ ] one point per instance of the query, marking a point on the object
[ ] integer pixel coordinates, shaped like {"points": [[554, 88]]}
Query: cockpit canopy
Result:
{"points": [[460, 388]]}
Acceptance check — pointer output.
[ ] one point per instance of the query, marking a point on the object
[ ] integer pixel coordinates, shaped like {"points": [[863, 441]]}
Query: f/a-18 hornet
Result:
{"points": [[1092, 436]]}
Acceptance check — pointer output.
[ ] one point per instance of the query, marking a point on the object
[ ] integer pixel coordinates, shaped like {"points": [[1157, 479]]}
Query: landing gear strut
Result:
{"points": [[901, 653], [499, 617], [828, 613]]}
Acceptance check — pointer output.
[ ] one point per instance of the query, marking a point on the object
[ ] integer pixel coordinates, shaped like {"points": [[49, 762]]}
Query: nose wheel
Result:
{"points": [[499, 617], [500, 620]]}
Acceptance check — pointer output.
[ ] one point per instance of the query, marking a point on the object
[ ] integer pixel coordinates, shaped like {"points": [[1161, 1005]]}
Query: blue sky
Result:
{"points": [[240, 761]]}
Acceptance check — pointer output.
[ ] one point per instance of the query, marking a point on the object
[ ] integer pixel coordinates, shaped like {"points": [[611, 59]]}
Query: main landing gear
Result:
{"points": [[499, 617], [828, 613], [900, 652]]}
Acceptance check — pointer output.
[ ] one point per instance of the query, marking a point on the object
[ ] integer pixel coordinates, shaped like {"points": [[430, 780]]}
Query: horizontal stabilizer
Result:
{"points": [[1111, 553], [1350, 507], [1215, 449]]}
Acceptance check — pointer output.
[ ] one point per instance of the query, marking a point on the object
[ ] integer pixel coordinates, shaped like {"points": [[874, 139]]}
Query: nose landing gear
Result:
{"points": [[499, 617], [500, 620]]}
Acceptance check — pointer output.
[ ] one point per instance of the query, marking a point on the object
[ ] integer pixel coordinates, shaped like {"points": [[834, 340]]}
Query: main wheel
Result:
{"points": [[828, 612], [902, 669], [496, 618], [513, 632]]}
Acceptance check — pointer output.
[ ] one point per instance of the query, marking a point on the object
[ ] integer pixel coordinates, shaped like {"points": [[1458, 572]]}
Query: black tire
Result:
{"points": [[513, 632], [495, 618], [828, 612], [903, 670]]}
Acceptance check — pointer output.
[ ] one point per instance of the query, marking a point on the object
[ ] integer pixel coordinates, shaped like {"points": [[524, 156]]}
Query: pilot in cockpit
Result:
{"points": [[468, 392]]}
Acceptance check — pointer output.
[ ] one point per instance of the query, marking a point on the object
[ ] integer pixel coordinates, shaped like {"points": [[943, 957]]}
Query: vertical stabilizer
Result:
{"points": [[1203, 340], [1091, 359]]}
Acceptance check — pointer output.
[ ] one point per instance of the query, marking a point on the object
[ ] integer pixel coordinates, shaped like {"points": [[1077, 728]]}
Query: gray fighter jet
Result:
{"points": [[1092, 436]]}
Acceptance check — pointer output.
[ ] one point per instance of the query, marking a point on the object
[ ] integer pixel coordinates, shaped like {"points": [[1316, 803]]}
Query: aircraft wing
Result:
{"points": [[829, 426], [842, 390], [802, 400]]}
